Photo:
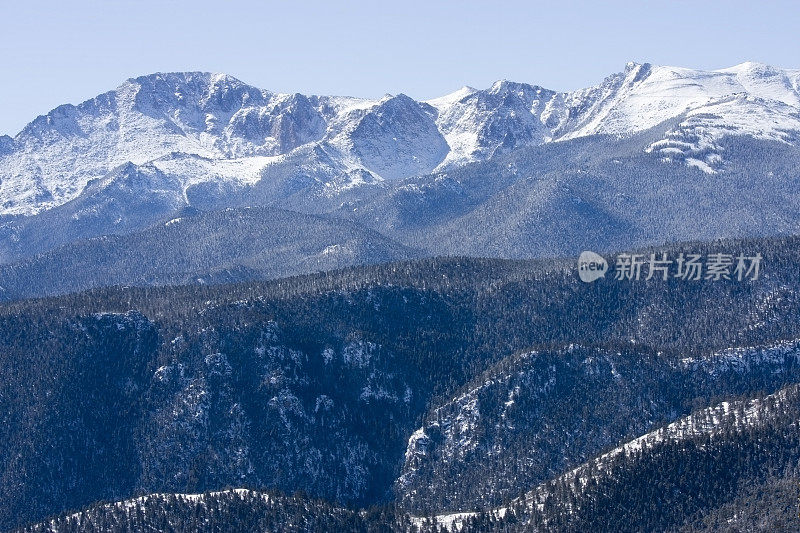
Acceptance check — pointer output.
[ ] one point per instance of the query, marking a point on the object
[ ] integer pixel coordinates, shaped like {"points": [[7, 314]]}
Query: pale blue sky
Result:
{"points": [[58, 52]]}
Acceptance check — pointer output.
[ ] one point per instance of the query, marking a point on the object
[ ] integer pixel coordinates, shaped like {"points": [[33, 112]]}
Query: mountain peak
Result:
{"points": [[451, 98], [199, 85], [6, 144], [632, 65], [502, 86], [398, 99], [748, 66], [186, 77], [517, 90]]}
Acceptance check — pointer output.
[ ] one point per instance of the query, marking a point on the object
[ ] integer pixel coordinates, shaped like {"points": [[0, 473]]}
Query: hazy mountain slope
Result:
{"points": [[595, 193], [221, 246], [127, 199], [133, 197]]}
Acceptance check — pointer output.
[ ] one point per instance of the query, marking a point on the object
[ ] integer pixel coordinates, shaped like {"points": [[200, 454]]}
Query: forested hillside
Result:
{"points": [[326, 383]]}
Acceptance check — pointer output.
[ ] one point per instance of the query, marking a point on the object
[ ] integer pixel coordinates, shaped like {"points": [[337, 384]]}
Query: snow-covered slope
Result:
{"points": [[480, 124], [215, 128], [644, 95], [749, 99], [210, 116]]}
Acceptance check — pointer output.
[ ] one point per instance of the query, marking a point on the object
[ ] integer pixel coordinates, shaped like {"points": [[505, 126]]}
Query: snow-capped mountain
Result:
{"points": [[212, 128]]}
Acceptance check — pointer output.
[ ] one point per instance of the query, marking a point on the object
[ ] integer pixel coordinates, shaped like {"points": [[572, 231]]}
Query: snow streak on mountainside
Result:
{"points": [[201, 128]]}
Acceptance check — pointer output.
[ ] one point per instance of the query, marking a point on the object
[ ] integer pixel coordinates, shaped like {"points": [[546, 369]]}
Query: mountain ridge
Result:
{"points": [[220, 118], [319, 383]]}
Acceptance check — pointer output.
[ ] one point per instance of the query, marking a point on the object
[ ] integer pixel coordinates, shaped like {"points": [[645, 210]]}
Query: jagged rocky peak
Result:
{"points": [[639, 70], [399, 138], [166, 92], [520, 90], [398, 108], [288, 121], [479, 124]]}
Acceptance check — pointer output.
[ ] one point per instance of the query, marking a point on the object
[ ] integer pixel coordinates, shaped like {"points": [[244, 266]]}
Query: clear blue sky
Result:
{"points": [[58, 52]]}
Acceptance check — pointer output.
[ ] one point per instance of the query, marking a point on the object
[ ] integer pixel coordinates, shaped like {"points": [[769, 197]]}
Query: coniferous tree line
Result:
{"points": [[316, 383]]}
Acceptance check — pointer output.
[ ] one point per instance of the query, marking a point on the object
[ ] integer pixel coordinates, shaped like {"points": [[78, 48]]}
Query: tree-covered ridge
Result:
{"points": [[317, 383], [705, 472], [737, 473]]}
